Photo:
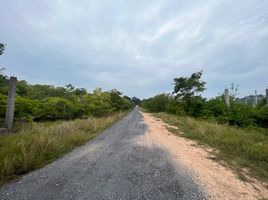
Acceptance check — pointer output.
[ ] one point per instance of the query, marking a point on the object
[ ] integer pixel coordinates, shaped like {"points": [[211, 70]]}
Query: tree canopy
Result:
{"points": [[187, 87], [2, 48]]}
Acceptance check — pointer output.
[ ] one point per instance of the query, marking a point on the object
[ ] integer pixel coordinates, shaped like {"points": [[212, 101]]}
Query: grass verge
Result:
{"points": [[245, 150], [37, 144]]}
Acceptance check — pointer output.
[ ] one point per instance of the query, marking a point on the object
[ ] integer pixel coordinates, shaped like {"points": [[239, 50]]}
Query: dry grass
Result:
{"points": [[246, 150], [40, 143]]}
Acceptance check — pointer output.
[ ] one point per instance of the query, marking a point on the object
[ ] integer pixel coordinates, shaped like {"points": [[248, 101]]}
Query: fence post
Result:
{"points": [[227, 98], [10, 103]]}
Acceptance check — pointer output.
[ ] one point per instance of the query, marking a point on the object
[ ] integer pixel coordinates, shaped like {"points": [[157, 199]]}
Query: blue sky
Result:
{"points": [[136, 46]]}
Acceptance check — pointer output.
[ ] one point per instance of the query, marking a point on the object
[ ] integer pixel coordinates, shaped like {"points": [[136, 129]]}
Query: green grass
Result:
{"points": [[245, 150], [37, 144]]}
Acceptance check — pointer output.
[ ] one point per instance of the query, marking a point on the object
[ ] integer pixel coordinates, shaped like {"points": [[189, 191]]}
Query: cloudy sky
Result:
{"points": [[136, 46]]}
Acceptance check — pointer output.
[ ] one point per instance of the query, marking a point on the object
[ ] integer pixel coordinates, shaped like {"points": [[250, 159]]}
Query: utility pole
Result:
{"points": [[227, 98], [10, 103]]}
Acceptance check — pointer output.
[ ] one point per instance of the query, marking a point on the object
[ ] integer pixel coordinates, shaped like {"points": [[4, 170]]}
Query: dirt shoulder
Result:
{"points": [[218, 181]]}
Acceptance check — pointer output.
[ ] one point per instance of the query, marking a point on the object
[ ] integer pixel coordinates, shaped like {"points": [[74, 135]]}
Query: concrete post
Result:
{"points": [[255, 99], [10, 103], [266, 96], [227, 98]]}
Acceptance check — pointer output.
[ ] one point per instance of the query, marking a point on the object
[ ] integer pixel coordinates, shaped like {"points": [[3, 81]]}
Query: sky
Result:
{"points": [[137, 46]]}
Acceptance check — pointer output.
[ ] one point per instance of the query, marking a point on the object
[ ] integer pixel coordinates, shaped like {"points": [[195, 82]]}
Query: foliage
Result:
{"points": [[262, 116], [47, 102], [2, 48], [187, 102], [136, 101], [3, 102], [25, 108], [37, 144], [57, 108], [186, 88], [98, 103], [157, 103], [175, 107]]}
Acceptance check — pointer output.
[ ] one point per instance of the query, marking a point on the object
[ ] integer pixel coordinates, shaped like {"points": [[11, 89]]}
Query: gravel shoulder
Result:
{"points": [[124, 162], [218, 181]]}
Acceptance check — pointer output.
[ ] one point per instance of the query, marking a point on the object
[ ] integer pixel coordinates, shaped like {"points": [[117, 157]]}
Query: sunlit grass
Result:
{"points": [[37, 144], [246, 150]]}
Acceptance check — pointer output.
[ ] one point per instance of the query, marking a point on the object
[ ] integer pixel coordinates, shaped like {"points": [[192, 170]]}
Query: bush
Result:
{"points": [[57, 108], [26, 109], [175, 107], [262, 116], [97, 104], [195, 106], [3, 102], [157, 103], [241, 115]]}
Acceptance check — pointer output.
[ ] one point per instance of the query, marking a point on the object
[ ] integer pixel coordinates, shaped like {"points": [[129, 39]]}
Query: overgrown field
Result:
{"points": [[245, 149], [36, 144]]}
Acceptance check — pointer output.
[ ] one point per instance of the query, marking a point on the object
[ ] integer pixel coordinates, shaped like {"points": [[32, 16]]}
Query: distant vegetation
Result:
{"points": [[187, 101], [238, 133], [45, 102]]}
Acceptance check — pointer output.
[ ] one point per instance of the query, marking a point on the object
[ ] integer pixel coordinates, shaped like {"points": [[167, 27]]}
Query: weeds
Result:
{"points": [[37, 144]]}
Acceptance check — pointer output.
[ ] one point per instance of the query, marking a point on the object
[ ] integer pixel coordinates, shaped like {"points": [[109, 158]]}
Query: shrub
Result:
{"points": [[57, 108], [262, 116], [3, 102], [157, 103], [175, 107], [241, 115], [26, 109]]}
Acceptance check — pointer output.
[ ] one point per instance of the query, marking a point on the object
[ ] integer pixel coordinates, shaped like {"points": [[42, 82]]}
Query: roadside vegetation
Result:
{"points": [[36, 144], [46, 102], [238, 132], [51, 121]]}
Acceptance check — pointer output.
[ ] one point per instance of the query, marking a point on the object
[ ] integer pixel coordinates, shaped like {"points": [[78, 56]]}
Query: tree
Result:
{"points": [[187, 88], [157, 103], [116, 99], [2, 48], [70, 87], [80, 91], [136, 100]]}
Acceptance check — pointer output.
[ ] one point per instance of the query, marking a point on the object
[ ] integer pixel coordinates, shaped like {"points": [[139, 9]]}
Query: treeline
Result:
{"points": [[46, 102], [186, 100]]}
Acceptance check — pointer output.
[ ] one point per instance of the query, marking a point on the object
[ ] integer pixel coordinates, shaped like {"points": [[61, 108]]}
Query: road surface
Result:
{"points": [[115, 165]]}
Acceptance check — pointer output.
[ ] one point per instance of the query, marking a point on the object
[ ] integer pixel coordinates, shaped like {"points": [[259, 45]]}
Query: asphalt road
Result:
{"points": [[112, 166]]}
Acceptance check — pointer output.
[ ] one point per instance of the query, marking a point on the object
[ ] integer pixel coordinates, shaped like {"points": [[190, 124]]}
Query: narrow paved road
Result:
{"points": [[116, 165]]}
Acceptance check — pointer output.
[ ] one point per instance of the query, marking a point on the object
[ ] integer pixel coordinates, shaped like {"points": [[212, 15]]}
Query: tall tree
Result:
{"points": [[187, 89]]}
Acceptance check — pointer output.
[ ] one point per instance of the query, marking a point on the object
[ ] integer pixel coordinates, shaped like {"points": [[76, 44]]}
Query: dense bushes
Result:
{"points": [[213, 109], [45, 102], [186, 101], [157, 103]]}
